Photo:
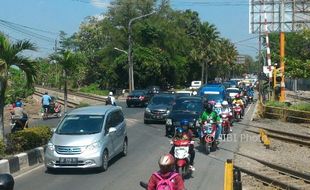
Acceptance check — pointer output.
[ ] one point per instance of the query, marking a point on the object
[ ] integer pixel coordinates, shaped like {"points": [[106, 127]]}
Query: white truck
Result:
{"points": [[195, 85]]}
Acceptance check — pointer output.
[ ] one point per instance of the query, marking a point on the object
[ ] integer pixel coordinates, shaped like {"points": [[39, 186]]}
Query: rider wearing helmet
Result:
{"points": [[166, 164], [111, 99], [239, 101], [226, 109], [209, 114], [184, 133]]}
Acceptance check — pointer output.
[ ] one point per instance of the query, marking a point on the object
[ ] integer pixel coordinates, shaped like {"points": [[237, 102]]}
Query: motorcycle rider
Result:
{"points": [[166, 164], [210, 114], [111, 99], [20, 116], [226, 109], [46, 101], [184, 133], [239, 101]]}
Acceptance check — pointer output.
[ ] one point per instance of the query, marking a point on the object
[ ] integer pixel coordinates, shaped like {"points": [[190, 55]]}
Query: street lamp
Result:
{"points": [[121, 50], [130, 60]]}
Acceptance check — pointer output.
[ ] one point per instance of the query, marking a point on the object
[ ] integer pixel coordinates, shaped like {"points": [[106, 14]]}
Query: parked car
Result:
{"points": [[158, 108], [87, 137], [189, 108], [138, 98]]}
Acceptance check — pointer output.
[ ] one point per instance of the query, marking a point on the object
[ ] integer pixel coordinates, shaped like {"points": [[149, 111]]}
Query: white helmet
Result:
{"points": [[110, 93], [218, 105], [225, 103]]}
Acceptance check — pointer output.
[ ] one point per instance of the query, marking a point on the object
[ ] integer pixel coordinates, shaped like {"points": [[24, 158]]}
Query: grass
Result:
{"points": [[299, 107], [94, 89], [302, 107]]}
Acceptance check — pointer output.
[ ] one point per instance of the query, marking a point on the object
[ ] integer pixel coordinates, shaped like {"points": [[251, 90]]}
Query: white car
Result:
{"points": [[232, 92], [195, 85]]}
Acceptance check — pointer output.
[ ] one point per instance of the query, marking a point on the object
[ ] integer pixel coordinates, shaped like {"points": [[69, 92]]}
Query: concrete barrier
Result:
{"points": [[22, 161]]}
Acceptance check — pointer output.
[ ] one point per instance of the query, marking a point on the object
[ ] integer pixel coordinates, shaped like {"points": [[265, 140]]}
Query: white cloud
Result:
{"points": [[100, 3]]}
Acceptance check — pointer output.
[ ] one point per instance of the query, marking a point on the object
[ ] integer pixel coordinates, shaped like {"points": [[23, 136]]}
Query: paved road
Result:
{"points": [[146, 144]]}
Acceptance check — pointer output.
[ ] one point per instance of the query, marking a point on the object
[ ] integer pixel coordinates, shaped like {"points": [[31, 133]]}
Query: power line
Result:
{"points": [[28, 27], [28, 33], [246, 40]]}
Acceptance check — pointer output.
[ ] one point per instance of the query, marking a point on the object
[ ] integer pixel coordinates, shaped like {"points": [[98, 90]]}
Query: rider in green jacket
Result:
{"points": [[210, 114]]}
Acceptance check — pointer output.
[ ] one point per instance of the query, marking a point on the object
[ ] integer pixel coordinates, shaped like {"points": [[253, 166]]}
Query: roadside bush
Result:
{"points": [[94, 89], [28, 139]]}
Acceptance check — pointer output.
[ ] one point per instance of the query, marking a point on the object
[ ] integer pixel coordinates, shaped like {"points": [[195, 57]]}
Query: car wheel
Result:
{"points": [[105, 161], [128, 105], [125, 148], [146, 121]]}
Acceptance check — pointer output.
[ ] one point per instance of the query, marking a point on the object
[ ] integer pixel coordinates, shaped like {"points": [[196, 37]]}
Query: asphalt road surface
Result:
{"points": [[146, 144]]}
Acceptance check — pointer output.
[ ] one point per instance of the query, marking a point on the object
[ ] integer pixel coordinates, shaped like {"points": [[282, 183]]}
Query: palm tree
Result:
{"points": [[69, 61], [11, 54]]}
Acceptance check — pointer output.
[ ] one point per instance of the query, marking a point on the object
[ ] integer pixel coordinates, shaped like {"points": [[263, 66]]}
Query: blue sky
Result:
{"points": [[51, 16]]}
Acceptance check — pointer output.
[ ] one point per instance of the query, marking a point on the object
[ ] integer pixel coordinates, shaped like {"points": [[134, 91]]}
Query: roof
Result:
{"points": [[93, 110]]}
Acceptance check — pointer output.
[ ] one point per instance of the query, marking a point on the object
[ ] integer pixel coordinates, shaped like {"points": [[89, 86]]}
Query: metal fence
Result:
{"points": [[298, 84]]}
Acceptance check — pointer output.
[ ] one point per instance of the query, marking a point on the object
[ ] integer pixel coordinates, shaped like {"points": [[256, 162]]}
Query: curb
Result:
{"points": [[254, 114], [22, 161]]}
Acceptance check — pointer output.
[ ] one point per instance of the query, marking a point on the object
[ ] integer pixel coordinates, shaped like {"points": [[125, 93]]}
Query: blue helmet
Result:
{"points": [[184, 122], [18, 104], [179, 131]]}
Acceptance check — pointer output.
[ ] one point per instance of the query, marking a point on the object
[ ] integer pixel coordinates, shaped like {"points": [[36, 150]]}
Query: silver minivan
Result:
{"points": [[88, 137]]}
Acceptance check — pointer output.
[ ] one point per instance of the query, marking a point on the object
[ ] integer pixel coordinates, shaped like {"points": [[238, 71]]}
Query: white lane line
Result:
{"points": [[248, 109], [29, 171]]}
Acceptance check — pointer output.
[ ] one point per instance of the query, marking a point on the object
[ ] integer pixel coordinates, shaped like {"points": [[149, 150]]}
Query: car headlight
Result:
{"points": [[147, 110], [51, 146], [93, 146], [168, 111], [169, 122]]}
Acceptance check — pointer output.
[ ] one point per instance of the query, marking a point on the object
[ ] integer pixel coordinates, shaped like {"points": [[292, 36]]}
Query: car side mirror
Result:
{"points": [[6, 182], [53, 130], [112, 129]]}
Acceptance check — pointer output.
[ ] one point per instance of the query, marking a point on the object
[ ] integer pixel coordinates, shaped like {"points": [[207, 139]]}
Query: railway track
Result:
{"points": [[282, 135], [79, 94], [60, 100], [276, 175], [299, 97]]}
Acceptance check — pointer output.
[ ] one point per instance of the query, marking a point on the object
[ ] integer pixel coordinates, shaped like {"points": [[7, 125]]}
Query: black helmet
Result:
{"points": [[208, 107]]}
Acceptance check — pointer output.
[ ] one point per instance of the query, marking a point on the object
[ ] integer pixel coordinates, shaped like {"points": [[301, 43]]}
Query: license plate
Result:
{"points": [[68, 161]]}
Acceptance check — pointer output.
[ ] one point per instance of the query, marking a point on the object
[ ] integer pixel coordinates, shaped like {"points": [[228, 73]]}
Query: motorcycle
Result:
{"points": [[237, 112], [54, 109], [207, 139], [182, 156], [226, 124], [17, 124]]}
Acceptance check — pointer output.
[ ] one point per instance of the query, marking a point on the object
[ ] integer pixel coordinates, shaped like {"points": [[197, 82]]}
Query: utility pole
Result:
{"points": [[130, 59], [56, 64], [260, 86], [282, 52]]}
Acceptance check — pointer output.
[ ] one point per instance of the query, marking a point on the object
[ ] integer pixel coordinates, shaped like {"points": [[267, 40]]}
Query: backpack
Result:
{"points": [[109, 101], [165, 184]]}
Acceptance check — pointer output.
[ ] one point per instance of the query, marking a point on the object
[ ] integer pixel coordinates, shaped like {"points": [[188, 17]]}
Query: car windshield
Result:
{"points": [[233, 91], [187, 106], [214, 97], [137, 93], [80, 125], [162, 100]]}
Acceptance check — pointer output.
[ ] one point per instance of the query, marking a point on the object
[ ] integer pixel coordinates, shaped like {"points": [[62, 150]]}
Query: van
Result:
{"points": [[87, 138]]}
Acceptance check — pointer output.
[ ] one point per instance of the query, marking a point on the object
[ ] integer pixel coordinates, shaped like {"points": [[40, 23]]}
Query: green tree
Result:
{"points": [[11, 54]]}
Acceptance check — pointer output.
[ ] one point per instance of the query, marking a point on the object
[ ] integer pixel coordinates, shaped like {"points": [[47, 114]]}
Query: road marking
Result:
{"points": [[248, 109], [29, 171]]}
